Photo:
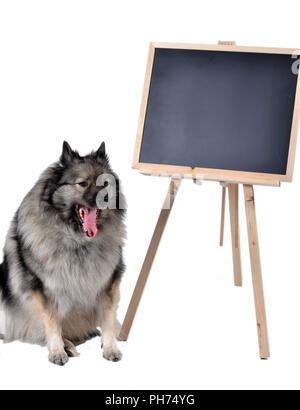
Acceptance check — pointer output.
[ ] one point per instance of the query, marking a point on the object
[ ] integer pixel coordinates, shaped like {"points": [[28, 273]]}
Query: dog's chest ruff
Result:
{"points": [[77, 277]]}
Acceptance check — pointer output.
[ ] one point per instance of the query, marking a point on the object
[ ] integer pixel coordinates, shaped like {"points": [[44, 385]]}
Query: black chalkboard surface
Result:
{"points": [[219, 109]]}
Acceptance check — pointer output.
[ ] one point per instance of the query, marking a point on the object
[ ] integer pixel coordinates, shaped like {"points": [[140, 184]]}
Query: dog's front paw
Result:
{"points": [[112, 354], [60, 359], [70, 349]]}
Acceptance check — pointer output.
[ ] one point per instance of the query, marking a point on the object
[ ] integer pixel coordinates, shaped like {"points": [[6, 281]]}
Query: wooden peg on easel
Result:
{"points": [[227, 43]]}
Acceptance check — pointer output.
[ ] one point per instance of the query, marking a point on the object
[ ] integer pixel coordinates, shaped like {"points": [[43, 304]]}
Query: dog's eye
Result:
{"points": [[83, 184]]}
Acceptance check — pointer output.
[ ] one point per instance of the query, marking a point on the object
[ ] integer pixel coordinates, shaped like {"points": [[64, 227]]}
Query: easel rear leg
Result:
{"points": [[223, 215]]}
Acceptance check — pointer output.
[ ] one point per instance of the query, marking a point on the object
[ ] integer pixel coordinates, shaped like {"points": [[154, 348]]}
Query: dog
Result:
{"points": [[63, 258]]}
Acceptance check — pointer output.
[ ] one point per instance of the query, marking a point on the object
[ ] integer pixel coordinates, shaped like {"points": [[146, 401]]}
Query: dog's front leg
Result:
{"points": [[109, 304], [53, 332]]}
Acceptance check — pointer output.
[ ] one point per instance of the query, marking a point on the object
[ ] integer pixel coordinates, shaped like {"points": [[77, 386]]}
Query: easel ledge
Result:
{"points": [[192, 173]]}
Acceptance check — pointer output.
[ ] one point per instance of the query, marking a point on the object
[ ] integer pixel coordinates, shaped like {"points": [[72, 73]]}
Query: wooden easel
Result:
{"points": [[229, 182], [235, 234]]}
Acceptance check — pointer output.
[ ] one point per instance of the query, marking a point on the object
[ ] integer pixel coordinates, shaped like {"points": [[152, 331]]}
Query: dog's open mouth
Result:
{"points": [[88, 219]]}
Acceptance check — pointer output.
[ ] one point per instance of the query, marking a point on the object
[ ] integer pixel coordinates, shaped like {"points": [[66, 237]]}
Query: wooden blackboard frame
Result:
{"points": [[215, 174]]}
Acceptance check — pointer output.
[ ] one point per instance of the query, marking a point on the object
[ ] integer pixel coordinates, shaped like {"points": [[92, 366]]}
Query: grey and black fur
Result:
{"points": [[57, 285]]}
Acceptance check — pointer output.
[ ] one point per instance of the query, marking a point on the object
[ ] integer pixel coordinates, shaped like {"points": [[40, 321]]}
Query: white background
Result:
{"points": [[75, 70]]}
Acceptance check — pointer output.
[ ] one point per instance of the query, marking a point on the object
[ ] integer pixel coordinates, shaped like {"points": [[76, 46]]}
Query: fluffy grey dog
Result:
{"points": [[63, 263]]}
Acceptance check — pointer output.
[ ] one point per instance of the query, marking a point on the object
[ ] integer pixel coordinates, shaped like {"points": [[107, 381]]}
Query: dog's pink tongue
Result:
{"points": [[90, 222]]}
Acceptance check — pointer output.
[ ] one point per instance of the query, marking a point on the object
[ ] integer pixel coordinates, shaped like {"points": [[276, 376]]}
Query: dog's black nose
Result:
{"points": [[91, 197]]}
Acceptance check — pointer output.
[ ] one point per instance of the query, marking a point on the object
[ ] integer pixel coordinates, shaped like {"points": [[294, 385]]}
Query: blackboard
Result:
{"points": [[220, 110]]}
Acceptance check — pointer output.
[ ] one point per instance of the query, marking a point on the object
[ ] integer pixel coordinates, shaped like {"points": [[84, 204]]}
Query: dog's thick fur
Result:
{"points": [[57, 285]]}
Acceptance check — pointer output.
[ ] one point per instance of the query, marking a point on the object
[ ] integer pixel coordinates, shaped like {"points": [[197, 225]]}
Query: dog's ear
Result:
{"points": [[67, 155], [101, 153]]}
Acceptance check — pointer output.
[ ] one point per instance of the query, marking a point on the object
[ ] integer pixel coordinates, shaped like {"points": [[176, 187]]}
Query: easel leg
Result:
{"points": [[235, 233], [140, 286], [223, 216], [263, 338]]}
